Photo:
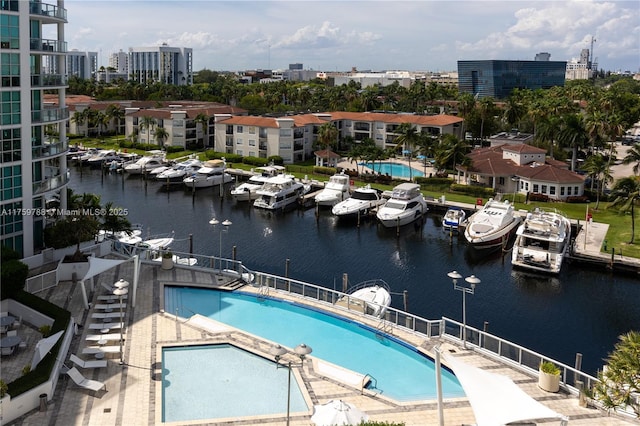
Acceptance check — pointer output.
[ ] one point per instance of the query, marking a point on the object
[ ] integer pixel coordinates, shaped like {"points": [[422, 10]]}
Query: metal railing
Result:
{"points": [[40, 282]]}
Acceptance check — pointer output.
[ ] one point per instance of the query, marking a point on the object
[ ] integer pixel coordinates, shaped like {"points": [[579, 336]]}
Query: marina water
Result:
{"points": [[581, 310]]}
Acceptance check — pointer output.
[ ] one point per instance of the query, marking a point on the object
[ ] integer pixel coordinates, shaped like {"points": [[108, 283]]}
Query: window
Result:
{"points": [[239, 152], [239, 141], [575, 190], [552, 190], [501, 180], [562, 191], [10, 145], [544, 189], [11, 182], [252, 142], [286, 133], [252, 130], [10, 69], [535, 187], [10, 108], [9, 32], [568, 190], [239, 129]]}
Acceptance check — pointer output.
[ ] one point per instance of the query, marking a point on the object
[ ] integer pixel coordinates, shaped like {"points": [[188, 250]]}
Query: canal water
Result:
{"points": [[581, 310]]}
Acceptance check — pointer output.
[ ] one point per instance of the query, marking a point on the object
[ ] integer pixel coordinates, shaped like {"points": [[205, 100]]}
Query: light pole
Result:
{"points": [[472, 280], [516, 180], [121, 290], [278, 351], [226, 225]]}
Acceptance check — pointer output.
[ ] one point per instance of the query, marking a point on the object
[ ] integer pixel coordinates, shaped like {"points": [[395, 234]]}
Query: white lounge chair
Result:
{"points": [[111, 297], [92, 350], [107, 336], [105, 315], [87, 364], [83, 382], [105, 325], [110, 305]]}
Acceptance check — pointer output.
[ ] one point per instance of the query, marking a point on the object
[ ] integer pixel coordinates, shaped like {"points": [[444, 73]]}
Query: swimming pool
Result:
{"points": [[392, 169], [217, 381], [399, 371]]}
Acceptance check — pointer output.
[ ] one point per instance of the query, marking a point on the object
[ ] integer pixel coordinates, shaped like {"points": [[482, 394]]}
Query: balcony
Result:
{"points": [[48, 10], [50, 149], [262, 147], [50, 184], [363, 127], [49, 115], [50, 46], [48, 80]]}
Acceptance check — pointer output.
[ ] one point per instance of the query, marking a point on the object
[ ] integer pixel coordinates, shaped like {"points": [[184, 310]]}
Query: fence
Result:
{"points": [[41, 282]]}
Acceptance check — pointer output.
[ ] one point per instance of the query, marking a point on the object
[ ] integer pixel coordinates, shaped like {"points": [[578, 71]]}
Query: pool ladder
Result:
{"points": [[369, 379], [263, 292], [383, 327]]}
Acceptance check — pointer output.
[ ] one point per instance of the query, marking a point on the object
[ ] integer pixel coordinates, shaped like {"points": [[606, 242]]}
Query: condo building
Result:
{"points": [[33, 132], [83, 65], [161, 64]]}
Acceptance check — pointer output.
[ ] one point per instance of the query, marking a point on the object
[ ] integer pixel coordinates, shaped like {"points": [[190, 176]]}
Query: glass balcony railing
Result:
{"points": [[50, 10], [48, 80], [50, 149], [45, 45], [50, 184], [50, 114]]}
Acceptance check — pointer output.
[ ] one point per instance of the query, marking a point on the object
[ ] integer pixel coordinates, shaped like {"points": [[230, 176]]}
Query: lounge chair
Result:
{"points": [[87, 364], [92, 350], [107, 336], [105, 315], [111, 297], [83, 382], [103, 306]]}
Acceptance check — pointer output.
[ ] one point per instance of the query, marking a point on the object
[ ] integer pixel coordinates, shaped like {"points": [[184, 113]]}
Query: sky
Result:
{"points": [[376, 35]]}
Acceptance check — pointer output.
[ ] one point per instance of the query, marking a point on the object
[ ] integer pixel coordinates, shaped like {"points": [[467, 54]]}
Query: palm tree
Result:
{"points": [[147, 123], [466, 105], [598, 169], [203, 120], [486, 109], [452, 151], [115, 113], [408, 136], [327, 137], [114, 222], [633, 156], [161, 135], [627, 193], [573, 134], [80, 118]]}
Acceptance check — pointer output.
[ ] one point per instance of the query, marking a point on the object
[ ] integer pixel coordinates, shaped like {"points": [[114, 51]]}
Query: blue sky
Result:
{"points": [[334, 35]]}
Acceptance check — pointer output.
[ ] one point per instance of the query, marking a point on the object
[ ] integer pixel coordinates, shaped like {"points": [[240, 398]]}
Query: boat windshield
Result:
{"points": [[366, 196], [395, 205]]}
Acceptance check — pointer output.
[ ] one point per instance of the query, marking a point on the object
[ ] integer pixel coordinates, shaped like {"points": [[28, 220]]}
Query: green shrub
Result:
{"points": [[320, 170], [255, 161], [13, 276], [549, 368], [474, 191], [276, 159]]}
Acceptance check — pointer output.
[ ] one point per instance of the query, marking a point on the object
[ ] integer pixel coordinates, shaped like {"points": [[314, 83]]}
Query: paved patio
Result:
{"points": [[133, 395]]}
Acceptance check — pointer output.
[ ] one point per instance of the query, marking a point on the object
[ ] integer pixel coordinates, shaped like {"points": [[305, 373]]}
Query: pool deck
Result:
{"points": [[133, 395]]}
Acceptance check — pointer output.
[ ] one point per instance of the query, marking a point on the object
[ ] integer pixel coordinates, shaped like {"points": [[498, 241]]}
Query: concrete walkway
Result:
{"points": [[134, 393]]}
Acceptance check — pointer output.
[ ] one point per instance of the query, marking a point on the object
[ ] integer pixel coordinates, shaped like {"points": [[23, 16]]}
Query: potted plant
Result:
{"points": [[549, 377], [167, 260]]}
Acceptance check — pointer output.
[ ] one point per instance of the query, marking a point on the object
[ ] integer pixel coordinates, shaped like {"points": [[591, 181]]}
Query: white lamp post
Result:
{"points": [[226, 225], [120, 291], [278, 351], [472, 280]]}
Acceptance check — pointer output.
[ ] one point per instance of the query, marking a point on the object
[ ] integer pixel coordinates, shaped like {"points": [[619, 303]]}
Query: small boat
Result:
{"points": [[212, 173], [177, 173], [247, 191], [453, 218], [153, 160], [128, 237], [279, 192], [492, 226], [157, 244], [405, 206], [337, 189], [371, 297], [541, 242], [361, 201]]}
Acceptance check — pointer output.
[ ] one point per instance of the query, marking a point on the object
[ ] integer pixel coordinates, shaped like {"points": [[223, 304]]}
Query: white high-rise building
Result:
{"points": [[32, 131], [82, 64], [164, 64], [579, 69], [119, 62]]}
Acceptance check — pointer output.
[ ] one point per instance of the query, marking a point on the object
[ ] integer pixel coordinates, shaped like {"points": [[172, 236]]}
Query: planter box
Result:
{"points": [[66, 270], [548, 382], [167, 263]]}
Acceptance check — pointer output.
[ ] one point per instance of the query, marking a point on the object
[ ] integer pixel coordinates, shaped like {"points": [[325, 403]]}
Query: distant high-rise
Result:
{"points": [[295, 67], [33, 132], [82, 64], [119, 62], [163, 64], [498, 78], [579, 69], [542, 56]]}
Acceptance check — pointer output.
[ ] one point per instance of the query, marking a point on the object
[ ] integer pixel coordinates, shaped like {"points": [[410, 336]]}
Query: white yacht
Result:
{"points": [[247, 191], [152, 160], [212, 173], [361, 201], [541, 242], [279, 192], [453, 218], [134, 236], [337, 189], [405, 206], [103, 156], [177, 173], [371, 297], [492, 226]]}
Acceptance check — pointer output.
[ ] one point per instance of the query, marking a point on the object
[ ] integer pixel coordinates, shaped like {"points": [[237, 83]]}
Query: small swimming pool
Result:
{"points": [[399, 370], [220, 381], [393, 169]]}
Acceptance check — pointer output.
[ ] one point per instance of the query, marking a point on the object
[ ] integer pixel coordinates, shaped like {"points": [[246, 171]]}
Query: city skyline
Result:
{"points": [[368, 35]]}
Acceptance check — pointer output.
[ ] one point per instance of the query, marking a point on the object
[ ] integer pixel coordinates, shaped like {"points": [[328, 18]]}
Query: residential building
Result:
{"points": [[523, 169], [82, 64], [579, 69], [513, 137], [498, 78], [366, 79], [293, 137], [119, 61], [33, 132], [163, 64]]}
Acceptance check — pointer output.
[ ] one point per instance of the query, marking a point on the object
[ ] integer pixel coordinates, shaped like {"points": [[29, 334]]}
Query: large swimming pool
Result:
{"points": [[399, 371], [392, 169]]}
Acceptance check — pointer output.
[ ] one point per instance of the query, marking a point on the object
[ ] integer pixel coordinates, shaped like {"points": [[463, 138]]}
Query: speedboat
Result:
{"points": [[492, 226], [371, 297], [279, 192], [453, 218], [361, 201], [103, 156], [147, 163], [211, 173], [541, 242], [337, 189], [247, 191], [134, 236], [177, 173], [405, 206]]}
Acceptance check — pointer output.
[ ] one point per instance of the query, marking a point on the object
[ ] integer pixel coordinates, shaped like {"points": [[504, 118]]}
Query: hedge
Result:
{"points": [[475, 191]]}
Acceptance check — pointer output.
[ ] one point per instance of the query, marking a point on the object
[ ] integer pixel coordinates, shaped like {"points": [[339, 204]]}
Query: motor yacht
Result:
{"points": [[279, 192], [212, 173], [149, 162], [361, 201], [405, 206], [177, 173], [337, 189], [103, 156], [247, 191], [541, 242], [492, 226]]}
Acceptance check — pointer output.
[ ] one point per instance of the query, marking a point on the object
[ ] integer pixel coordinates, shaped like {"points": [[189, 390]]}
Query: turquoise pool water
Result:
{"points": [[400, 372], [218, 381], [392, 169]]}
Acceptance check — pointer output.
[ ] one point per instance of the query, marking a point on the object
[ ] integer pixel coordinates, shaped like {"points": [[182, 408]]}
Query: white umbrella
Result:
{"points": [[337, 412], [43, 347]]}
